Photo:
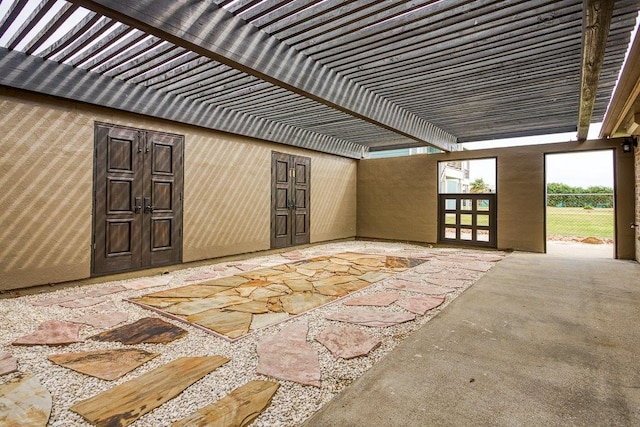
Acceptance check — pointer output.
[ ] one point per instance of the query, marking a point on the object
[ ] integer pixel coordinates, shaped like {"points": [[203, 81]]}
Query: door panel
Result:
{"points": [[301, 178], [119, 195], [290, 177], [280, 201], [138, 199], [163, 244], [118, 179], [119, 237]]}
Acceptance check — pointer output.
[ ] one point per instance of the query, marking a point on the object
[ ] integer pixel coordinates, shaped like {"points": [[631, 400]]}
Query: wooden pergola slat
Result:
{"points": [[123, 46], [72, 35], [485, 79], [221, 99], [207, 80], [313, 21], [125, 56], [292, 8], [51, 27], [370, 72], [470, 37], [27, 72], [113, 37], [191, 64], [564, 46], [345, 34], [36, 15], [214, 32], [81, 39], [231, 86], [150, 61], [14, 10]]}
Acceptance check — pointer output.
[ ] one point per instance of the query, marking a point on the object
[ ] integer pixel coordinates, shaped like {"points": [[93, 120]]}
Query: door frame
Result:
{"points": [[614, 172]]}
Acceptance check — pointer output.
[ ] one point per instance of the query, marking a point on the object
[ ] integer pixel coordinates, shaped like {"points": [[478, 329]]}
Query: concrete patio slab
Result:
{"points": [[539, 340]]}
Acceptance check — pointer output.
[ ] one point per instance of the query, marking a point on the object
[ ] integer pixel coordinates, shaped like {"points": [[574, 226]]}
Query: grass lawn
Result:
{"points": [[580, 222]]}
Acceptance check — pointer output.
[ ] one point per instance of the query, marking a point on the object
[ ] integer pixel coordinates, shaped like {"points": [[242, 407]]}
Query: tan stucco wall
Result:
{"points": [[228, 195], [397, 197], [46, 177]]}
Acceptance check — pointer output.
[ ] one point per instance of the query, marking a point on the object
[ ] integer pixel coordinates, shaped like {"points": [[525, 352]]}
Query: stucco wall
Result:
{"points": [[397, 197], [46, 177]]}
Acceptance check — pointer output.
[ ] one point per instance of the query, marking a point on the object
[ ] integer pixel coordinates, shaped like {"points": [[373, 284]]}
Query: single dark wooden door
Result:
{"points": [[468, 219], [290, 197], [138, 199]]}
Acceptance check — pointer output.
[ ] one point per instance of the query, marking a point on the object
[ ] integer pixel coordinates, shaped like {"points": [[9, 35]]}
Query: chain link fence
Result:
{"points": [[584, 217]]}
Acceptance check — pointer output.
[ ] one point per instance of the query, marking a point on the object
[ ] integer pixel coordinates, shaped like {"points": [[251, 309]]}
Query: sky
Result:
{"points": [[582, 169]]}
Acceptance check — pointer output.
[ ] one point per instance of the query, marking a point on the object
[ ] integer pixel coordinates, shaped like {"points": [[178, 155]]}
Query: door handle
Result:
{"points": [[138, 205], [147, 205]]}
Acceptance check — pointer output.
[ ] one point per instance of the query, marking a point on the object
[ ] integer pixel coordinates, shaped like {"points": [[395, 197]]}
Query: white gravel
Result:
{"points": [[291, 405]]}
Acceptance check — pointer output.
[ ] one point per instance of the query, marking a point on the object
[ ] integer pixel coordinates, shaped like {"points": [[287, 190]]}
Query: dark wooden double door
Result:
{"points": [[290, 197], [138, 199]]}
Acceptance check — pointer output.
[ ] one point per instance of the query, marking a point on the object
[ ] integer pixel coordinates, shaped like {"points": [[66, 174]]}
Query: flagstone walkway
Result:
{"points": [[311, 321], [235, 305]]}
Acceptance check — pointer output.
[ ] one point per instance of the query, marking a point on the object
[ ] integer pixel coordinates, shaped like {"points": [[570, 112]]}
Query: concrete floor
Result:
{"points": [[580, 250], [539, 340]]}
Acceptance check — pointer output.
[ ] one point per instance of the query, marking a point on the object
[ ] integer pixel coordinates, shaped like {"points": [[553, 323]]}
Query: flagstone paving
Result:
{"points": [[147, 282], [238, 408], [101, 320], [104, 364], [288, 356], [24, 402], [145, 330], [420, 305], [228, 305], [8, 363], [379, 299], [125, 403], [423, 288], [82, 302], [52, 332], [368, 317], [393, 283], [347, 341]]}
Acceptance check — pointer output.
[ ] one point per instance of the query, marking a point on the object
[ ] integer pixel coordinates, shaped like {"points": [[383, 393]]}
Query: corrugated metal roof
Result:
{"points": [[446, 70]]}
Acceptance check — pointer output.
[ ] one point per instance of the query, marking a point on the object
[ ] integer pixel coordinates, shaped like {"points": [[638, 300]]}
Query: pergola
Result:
{"points": [[342, 77]]}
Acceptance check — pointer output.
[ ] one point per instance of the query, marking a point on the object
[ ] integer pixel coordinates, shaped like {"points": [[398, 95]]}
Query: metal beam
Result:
{"points": [[48, 77], [211, 31], [596, 20]]}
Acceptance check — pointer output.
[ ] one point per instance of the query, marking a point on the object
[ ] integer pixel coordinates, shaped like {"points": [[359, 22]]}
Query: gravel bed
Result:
{"points": [[292, 403]]}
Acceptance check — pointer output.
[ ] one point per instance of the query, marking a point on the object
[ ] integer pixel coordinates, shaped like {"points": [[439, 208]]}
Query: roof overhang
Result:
{"points": [[623, 116], [334, 76]]}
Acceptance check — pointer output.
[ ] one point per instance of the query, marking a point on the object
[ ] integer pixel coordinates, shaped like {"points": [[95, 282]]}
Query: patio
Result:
{"points": [[298, 365]]}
